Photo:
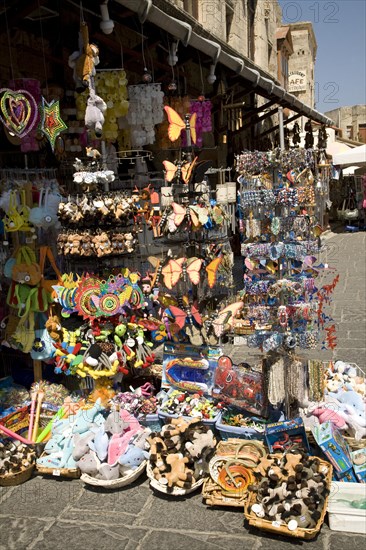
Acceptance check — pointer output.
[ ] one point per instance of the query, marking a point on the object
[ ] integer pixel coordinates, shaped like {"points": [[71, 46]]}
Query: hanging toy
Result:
{"points": [[84, 60]]}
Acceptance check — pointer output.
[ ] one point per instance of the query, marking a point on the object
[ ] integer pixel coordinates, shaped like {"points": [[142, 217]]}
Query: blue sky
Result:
{"points": [[339, 28]]}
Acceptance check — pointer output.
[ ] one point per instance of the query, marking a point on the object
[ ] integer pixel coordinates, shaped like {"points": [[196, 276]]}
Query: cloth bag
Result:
{"points": [[26, 269], [42, 347]]}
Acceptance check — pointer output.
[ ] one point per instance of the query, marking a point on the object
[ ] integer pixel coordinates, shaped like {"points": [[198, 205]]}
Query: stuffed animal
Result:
{"points": [[89, 464], [115, 424], [201, 442], [74, 244], [92, 153], [291, 461], [54, 328], [81, 445], [102, 244], [84, 60], [94, 114], [179, 475], [108, 472], [99, 444], [325, 414], [132, 459], [118, 445]]}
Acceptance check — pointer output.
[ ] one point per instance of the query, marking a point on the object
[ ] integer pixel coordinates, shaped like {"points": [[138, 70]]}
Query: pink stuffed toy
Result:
{"points": [[329, 414]]}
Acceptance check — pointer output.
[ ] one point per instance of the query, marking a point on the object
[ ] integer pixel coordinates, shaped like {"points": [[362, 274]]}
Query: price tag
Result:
{"points": [[56, 472], [276, 524]]}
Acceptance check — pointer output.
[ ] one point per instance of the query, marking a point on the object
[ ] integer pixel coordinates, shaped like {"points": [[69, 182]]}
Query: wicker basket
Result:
{"points": [[174, 491], [71, 473], [18, 478], [212, 492], [281, 528], [115, 483]]}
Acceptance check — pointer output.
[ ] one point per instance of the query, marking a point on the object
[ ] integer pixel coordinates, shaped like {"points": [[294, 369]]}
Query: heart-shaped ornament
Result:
{"points": [[18, 111]]}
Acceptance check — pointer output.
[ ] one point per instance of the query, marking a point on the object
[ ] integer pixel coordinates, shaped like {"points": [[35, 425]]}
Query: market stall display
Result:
{"points": [[126, 262]]}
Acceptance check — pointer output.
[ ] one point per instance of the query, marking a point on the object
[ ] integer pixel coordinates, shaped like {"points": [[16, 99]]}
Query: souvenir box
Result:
{"points": [[282, 436], [359, 464], [189, 368], [333, 446]]}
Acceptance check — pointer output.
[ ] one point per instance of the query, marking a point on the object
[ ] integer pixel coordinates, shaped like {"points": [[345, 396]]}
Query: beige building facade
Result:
{"points": [[351, 120]]}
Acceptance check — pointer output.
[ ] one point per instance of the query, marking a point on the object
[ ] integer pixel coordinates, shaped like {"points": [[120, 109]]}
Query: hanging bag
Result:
{"points": [[42, 347], [26, 269], [46, 253], [13, 221], [43, 215]]}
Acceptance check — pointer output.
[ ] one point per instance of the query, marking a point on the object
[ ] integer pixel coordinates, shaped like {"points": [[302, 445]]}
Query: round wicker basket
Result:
{"points": [[18, 478], [115, 483], [174, 491]]}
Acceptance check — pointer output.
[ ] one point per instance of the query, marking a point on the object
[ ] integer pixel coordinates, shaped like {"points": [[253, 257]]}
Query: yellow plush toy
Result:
{"points": [[84, 60]]}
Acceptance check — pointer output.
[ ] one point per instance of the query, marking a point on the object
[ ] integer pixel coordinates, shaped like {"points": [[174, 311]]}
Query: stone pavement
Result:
{"points": [[58, 514]]}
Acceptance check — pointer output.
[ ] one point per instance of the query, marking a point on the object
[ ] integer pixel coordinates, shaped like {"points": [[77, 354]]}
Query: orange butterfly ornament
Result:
{"points": [[174, 269], [177, 124], [212, 269], [178, 170]]}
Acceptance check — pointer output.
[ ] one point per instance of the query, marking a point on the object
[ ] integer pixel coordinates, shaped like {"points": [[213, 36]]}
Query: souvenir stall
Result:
{"points": [[118, 283]]}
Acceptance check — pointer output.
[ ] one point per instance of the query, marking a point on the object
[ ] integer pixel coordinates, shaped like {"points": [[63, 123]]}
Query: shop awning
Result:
{"points": [[354, 157], [182, 30]]}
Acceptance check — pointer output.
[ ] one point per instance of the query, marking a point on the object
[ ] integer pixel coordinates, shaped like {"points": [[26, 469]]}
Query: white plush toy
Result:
{"points": [[94, 114]]}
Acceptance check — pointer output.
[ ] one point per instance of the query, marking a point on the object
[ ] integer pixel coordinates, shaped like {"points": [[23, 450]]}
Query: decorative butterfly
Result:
{"points": [[176, 170], [180, 315], [212, 269], [173, 270], [197, 214], [177, 124]]}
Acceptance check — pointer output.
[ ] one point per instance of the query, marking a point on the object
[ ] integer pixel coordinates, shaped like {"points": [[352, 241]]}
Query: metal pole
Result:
{"points": [[280, 123]]}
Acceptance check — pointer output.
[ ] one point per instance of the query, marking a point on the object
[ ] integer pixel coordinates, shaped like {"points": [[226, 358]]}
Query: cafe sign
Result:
{"points": [[297, 81]]}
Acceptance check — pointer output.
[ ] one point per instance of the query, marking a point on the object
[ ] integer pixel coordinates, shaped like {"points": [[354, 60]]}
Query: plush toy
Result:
{"points": [[263, 465], [118, 445], [84, 60], [89, 464], [157, 446], [115, 424], [201, 442], [102, 244], [325, 414], [179, 475], [99, 444], [92, 153], [74, 244], [291, 461], [132, 459], [84, 418], [81, 445], [94, 114], [54, 328], [108, 472]]}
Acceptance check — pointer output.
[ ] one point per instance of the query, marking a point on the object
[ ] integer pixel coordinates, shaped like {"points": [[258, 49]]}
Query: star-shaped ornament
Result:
{"points": [[51, 122]]}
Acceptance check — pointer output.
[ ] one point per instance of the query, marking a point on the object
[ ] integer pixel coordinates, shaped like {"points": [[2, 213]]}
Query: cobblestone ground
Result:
{"points": [[50, 513]]}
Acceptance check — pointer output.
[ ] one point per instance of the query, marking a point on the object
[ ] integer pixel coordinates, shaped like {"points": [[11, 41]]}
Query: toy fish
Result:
{"points": [[50, 461], [118, 445], [81, 444], [89, 464], [99, 444], [85, 417]]}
